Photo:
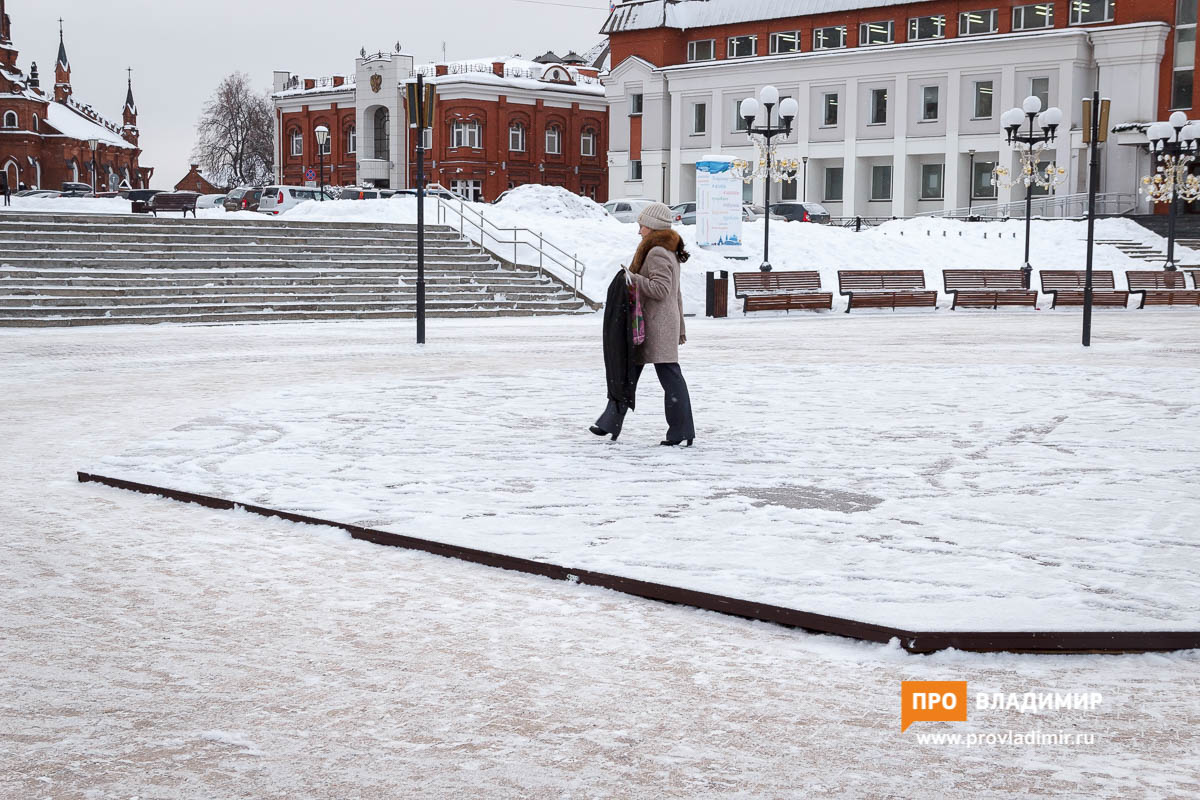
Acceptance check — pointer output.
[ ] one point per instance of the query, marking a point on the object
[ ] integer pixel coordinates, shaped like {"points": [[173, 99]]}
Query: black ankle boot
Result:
{"points": [[669, 443], [596, 429]]}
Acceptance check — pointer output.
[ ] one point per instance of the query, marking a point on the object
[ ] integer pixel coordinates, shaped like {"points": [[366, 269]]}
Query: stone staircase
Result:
{"points": [[1136, 250], [77, 269]]}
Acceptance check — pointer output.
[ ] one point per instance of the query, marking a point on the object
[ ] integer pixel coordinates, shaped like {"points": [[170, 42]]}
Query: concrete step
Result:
{"points": [[282, 316], [89, 249], [281, 305], [474, 296], [215, 237], [175, 288], [466, 261], [15, 219]]}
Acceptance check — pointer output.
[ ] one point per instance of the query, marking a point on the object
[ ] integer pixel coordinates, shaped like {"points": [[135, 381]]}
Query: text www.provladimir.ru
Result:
{"points": [[1010, 738]]}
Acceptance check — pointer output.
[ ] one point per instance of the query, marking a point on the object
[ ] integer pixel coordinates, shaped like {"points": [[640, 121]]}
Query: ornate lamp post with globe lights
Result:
{"points": [[1174, 142], [768, 165], [1035, 144], [322, 134]]}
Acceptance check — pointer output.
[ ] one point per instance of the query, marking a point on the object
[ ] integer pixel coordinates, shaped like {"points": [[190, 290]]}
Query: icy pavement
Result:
{"points": [[1021, 486], [152, 649]]}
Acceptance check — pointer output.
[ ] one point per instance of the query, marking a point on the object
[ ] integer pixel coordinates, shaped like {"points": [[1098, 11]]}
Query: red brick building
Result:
{"points": [[498, 124], [44, 137], [195, 181]]}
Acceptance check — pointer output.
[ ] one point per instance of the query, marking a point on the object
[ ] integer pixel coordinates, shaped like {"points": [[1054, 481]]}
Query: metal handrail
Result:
{"points": [[1061, 205], [488, 231]]}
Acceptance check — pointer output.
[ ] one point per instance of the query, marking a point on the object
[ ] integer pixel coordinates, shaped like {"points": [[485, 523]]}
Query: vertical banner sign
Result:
{"points": [[718, 205]]}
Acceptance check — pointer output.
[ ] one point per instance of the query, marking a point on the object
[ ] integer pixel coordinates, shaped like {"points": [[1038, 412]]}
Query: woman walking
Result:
{"points": [[655, 274]]}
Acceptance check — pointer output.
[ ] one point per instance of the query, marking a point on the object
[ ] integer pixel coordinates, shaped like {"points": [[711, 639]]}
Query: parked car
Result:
{"points": [[685, 213], [404, 193], [38, 193], [802, 212], [243, 198], [626, 210], [139, 199], [211, 201], [72, 189], [277, 199], [108, 195], [751, 213], [364, 193]]}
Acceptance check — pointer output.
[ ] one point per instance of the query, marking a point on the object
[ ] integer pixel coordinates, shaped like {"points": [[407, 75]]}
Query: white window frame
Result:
{"points": [[1183, 60], [976, 94], [875, 107], [941, 169], [427, 138], [873, 197], [297, 143], [1026, 12], [693, 50], [732, 40], [865, 29], [637, 104], [554, 141], [914, 26], [1033, 92], [587, 143], [1110, 11], [841, 185], [818, 37], [16, 122], [739, 122], [699, 119], [635, 169], [466, 133], [837, 111], [983, 168], [352, 140], [994, 16], [937, 102], [773, 44], [516, 130]]}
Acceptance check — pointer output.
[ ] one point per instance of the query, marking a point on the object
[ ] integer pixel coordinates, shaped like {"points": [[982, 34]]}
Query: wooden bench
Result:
{"points": [[781, 291], [988, 288], [898, 288], [1162, 288], [1065, 287], [174, 201]]}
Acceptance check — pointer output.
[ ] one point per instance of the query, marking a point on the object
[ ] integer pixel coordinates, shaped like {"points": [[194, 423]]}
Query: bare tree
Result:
{"points": [[234, 142]]}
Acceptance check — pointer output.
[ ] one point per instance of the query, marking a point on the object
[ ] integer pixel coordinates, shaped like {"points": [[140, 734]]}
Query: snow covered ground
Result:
{"points": [[152, 649], [602, 244]]}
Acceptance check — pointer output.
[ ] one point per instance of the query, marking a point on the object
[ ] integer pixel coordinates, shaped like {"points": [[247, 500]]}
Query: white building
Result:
{"points": [[887, 129]]}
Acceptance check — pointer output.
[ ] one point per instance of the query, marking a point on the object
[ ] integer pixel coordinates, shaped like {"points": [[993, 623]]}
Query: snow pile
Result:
{"points": [[550, 201], [72, 205]]}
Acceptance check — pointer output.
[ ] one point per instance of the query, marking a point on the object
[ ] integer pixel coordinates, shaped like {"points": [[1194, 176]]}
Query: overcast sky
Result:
{"points": [[180, 49]]}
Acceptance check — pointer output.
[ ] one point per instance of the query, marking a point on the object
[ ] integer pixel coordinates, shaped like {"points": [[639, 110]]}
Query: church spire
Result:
{"points": [[5, 33], [62, 69], [130, 106], [129, 115]]}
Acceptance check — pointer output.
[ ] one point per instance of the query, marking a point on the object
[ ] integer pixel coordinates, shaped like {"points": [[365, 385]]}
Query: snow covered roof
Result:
{"points": [[518, 73], [73, 124], [687, 14]]}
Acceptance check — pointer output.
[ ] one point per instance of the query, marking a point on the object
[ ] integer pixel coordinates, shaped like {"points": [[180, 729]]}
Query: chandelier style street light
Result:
{"points": [[1173, 142], [322, 134], [1031, 145], [768, 165]]}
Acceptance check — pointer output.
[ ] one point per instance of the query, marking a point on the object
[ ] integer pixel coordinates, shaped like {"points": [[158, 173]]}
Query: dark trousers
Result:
{"points": [[7, 197], [678, 405]]}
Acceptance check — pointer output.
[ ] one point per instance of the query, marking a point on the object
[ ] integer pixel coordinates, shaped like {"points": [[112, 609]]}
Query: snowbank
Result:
{"points": [[550, 201]]}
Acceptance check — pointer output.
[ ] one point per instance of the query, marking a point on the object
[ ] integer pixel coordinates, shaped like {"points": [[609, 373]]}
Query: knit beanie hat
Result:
{"points": [[656, 217]]}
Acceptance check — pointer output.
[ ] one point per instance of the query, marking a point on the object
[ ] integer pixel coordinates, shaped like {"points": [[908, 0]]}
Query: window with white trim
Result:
{"points": [[297, 143], [930, 103], [983, 100], [742, 46], [554, 140], [1088, 12], [829, 109], [699, 118], [466, 133], [982, 187], [635, 105], [1033, 17], [351, 140], [931, 181], [830, 38], [881, 183], [1040, 88], [1183, 76], [703, 50], [871, 33], [516, 138], [10, 119], [785, 42], [587, 143], [879, 104], [635, 169], [739, 122], [972, 23], [833, 185], [932, 27]]}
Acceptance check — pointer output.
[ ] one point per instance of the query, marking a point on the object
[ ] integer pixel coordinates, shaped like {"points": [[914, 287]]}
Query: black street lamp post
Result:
{"points": [[1035, 143], [94, 144], [322, 134], [1174, 144], [769, 167]]}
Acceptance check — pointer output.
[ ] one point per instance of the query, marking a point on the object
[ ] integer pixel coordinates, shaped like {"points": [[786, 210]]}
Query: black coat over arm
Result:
{"points": [[619, 363]]}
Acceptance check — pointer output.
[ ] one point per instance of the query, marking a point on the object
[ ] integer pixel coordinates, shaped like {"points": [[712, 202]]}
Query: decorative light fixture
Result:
{"points": [[1031, 145], [768, 166], [1173, 144], [322, 134]]}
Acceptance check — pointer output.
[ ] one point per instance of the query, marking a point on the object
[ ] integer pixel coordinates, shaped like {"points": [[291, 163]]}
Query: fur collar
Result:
{"points": [[668, 240]]}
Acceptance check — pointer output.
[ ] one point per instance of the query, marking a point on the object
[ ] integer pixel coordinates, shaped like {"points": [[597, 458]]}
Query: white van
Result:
{"points": [[277, 199]]}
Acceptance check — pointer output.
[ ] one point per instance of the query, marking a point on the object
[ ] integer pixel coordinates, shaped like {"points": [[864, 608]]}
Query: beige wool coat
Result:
{"points": [[662, 302]]}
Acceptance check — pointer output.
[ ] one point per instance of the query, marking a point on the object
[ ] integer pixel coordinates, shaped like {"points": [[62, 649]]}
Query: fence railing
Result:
{"points": [[1052, 206], [526, 246]]}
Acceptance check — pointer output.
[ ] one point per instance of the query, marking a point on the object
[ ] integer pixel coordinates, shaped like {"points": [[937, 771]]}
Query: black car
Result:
{"points": [[72, 189], [802, 212], [139, 199], [243, 198]]}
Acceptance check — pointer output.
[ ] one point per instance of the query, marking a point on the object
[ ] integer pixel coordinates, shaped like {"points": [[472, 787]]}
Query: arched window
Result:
{"points": [[10, 119], [37, 123], [554, 140], [466, 133], [587, 143], [382, 135], [516, 138], [352, 140], [297, 143]]}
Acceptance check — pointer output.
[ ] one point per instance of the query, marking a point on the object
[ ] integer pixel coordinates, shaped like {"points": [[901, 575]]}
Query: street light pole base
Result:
{"points": [[1171, 266], [765, 267], [1027, 272]]}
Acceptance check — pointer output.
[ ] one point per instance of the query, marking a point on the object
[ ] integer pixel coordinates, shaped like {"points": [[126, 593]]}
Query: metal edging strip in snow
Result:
{"points": [[912, 641]]}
